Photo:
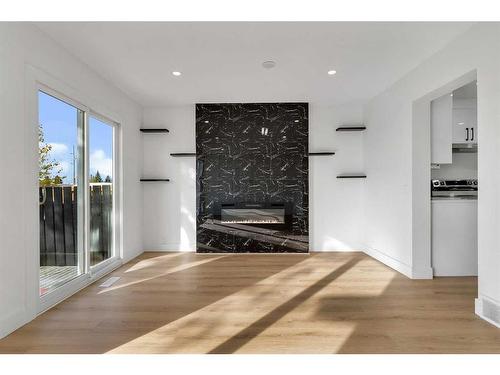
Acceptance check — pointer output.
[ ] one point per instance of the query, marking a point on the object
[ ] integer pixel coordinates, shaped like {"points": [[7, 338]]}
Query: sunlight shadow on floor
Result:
{"points": [[179, 268], [315, 303], [223, 317], [146, 263], [159, 294], [408, 316], [255, 329]]}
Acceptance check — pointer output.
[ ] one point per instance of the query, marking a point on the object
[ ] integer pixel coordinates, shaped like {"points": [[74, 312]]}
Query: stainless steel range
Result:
{"points": [[454, 189]]}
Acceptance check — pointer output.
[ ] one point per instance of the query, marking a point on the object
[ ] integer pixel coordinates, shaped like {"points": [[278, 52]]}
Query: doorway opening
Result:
{"points": [[433, 148], [454, 186]]}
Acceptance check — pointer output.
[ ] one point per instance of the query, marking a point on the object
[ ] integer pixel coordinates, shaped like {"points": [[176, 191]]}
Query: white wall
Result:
{"points": [[394, 160], [169, 208], [335, 205], [24, 52], [464, 165]]}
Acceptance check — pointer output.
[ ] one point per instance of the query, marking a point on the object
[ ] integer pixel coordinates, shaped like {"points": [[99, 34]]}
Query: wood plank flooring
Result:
{"points": [[279, 303]]}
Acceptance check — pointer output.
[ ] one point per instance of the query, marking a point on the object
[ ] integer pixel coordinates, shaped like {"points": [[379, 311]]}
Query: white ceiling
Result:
{"points": [[221, 62]]}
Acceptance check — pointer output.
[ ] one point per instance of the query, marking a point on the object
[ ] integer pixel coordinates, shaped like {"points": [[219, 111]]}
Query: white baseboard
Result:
{"points": [[13, 321], [172, 247], [408, 271], [131, 256], [422, 274], [488, 310], [389, 261], [320, 245]]}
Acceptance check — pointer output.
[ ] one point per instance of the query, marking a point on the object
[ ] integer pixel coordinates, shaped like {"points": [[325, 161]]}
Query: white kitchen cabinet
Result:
{"points": [[464, 122], [441, 130], [454, 237]]}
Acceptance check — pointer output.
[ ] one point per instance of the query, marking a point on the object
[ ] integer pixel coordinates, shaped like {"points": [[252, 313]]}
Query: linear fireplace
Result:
{"points": [[253, 213]]}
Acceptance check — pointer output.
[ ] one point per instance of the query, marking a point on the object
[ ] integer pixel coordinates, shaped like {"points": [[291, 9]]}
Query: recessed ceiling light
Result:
{"points": [[296, 121], [269, 64], [177, 74], [332, 72]]}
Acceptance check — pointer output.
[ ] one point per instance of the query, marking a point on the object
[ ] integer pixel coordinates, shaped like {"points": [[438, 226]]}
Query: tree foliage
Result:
{"points": [[96, 178], [57, 180], [48, 166]]}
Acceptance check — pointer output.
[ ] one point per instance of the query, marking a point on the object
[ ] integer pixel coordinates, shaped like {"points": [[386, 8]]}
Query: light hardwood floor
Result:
{"points": [[280, 303]]}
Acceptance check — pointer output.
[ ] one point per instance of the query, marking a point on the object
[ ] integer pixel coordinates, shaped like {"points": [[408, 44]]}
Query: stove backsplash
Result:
{"points": [[252, 161], [464, 166]]}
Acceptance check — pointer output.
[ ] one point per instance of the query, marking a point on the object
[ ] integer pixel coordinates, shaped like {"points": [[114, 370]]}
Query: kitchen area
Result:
{"points": [[454, 184]]}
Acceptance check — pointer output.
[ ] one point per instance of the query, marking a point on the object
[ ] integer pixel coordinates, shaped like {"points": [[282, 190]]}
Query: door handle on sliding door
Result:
{"points": [[467, 134], [472, 132]]}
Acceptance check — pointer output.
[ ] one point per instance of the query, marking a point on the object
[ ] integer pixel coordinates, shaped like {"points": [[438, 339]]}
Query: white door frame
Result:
{"points": [[421, 176], [36, 80]]}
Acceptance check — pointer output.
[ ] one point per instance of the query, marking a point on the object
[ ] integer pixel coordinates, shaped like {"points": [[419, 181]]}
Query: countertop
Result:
{"points": [[457, 198]]}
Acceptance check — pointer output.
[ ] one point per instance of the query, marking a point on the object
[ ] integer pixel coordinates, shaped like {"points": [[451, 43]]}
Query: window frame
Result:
{"points": [[115, 202]]}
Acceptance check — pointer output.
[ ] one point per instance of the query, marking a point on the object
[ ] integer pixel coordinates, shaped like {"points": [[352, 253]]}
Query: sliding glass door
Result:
{"points": [[101, 192], [61, 171], [77, 191]]}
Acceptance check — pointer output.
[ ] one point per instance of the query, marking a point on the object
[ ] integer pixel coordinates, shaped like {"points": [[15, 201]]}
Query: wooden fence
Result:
{"points": [[58, 224]]}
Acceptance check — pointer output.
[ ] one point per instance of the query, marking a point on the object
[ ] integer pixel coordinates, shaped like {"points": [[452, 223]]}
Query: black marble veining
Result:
{"points": [[252, 159]]}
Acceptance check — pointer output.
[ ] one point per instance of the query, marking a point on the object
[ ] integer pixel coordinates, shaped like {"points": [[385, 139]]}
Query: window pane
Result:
{"points": [[101, 190], [59, 167]]}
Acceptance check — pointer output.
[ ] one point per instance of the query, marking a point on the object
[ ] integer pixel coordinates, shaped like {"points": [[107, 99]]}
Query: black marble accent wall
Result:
{"points": [[252, 177]]}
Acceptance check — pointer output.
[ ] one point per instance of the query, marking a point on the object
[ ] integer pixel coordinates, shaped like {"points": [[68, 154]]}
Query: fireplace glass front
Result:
{"points": [[253, 215]]}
